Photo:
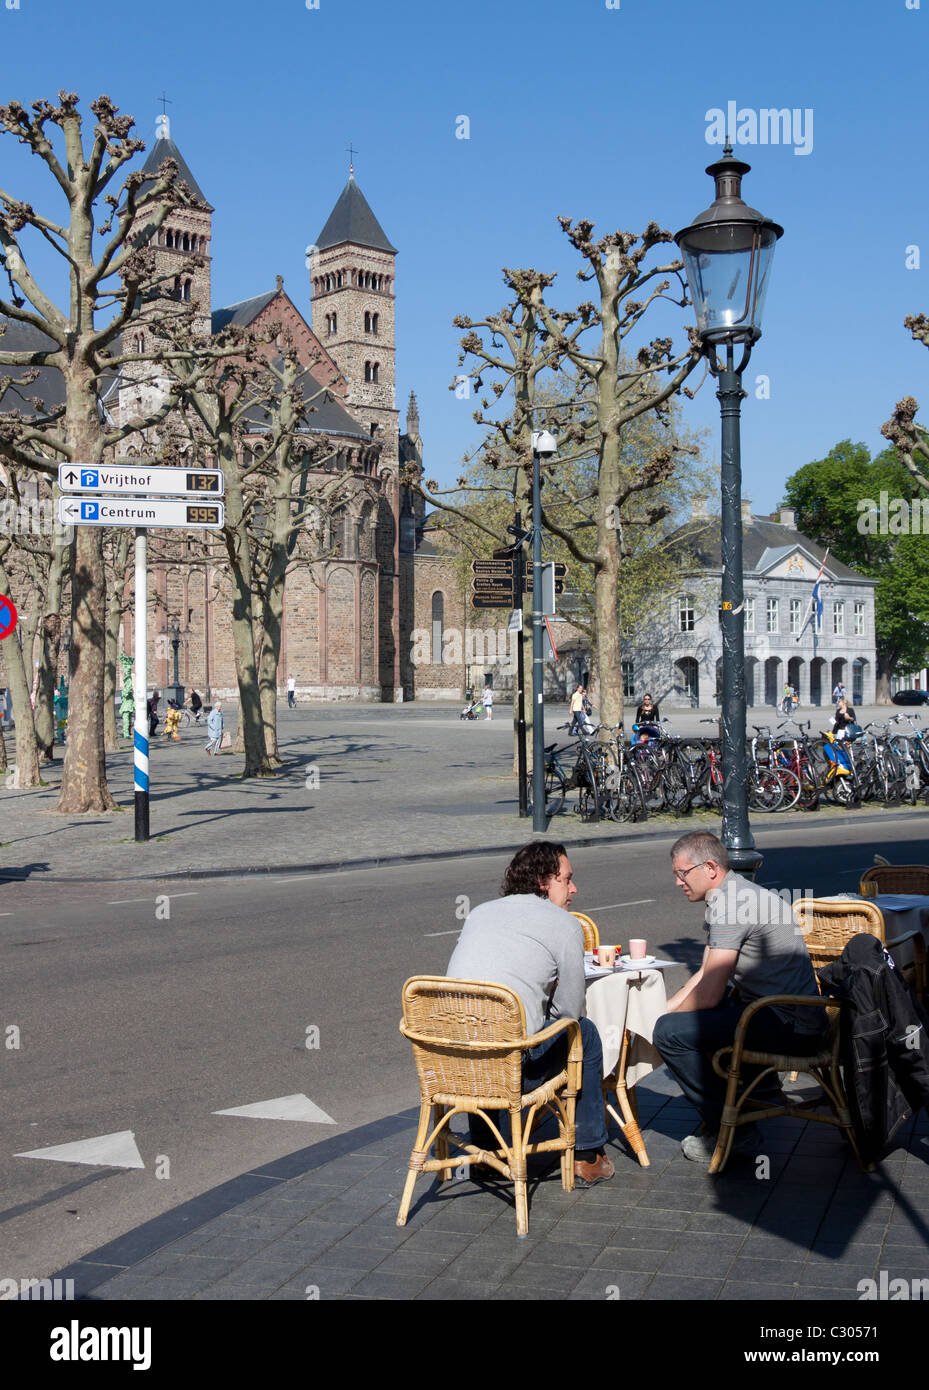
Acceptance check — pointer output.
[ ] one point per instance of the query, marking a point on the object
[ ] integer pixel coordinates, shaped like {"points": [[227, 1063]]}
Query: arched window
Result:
{"points": [[374, 370], [140, 342], [186, 291], [374, 322], [367, 371], [335, 324], [367, 322], [438, 617]]}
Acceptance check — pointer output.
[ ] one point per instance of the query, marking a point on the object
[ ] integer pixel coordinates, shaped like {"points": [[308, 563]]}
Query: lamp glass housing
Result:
{"points": [[728, 265]]}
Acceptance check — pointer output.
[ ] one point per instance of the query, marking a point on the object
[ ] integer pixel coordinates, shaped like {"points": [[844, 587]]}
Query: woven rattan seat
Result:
{"points": [[469, 1042], [827, 928], [894, 878], [591, 933]]}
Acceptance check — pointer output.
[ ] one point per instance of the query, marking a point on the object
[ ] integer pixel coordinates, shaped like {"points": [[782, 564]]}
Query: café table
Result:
{"points": [[624, 1004], [906, 921]]}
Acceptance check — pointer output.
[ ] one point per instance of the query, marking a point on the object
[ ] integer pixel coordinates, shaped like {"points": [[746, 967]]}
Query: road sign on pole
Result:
{"points": [[133, 478], [7, 616], [139, 511]]}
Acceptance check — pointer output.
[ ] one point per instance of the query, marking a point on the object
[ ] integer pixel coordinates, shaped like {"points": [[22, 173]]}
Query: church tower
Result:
{"points": [[185, 232], [352, 268]]}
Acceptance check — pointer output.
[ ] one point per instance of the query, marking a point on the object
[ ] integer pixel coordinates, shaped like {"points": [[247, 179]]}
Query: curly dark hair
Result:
{"points": [[539, 860]]}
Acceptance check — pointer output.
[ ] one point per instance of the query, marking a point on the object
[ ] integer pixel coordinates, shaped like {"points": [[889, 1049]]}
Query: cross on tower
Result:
{"points": [[165, 102], [351, 158]]}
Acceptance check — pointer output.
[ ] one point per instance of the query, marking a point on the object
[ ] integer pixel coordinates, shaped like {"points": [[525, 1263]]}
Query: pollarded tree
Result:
{"points": [[106, 281]]}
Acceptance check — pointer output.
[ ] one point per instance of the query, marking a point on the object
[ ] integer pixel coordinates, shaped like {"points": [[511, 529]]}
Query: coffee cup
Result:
{"points": [[607, 956], [637, 948]]}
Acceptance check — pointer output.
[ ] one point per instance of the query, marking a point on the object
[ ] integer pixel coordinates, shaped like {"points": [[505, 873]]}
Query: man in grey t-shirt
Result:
{"points": [[529, 942], [754, 948]]}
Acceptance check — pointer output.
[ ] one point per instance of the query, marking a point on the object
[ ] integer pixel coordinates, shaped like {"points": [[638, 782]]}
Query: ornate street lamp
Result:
{"points": [[728, 251], [544, 445]]}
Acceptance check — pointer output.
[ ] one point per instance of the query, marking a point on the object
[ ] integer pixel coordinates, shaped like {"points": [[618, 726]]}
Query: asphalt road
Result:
{"points": [[133, 1020]]}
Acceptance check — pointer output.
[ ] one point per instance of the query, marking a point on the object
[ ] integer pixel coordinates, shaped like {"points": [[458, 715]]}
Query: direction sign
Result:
{"points": [[488, 568], [139, 511], [495, 598], [527, 585], [130, 478]]}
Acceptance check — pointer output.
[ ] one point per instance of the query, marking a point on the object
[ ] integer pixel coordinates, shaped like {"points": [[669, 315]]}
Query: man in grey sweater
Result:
{"points": [[528, 941]]}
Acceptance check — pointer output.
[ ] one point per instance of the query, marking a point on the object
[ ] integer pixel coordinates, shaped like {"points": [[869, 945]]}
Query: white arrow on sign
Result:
{"points": [[298, 1107], [105, 1151], [130, 478], [139, 511]]}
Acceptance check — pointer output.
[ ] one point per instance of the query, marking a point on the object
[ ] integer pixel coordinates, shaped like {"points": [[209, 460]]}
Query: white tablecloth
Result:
{"points": [[633, 1000]]}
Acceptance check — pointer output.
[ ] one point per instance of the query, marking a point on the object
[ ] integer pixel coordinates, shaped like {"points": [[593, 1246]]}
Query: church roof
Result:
{"points": [[243, 313], [352, 220], [165, 148], [325, 414], [48, 386]]}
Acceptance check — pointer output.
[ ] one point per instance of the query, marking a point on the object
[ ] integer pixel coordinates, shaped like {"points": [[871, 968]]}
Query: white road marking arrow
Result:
{"points": [[104, 1151], [298, 1107]]}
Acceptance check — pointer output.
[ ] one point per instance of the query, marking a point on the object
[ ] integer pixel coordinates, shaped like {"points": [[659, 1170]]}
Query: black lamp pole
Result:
{"points": [[727, 252], [543, 446]]}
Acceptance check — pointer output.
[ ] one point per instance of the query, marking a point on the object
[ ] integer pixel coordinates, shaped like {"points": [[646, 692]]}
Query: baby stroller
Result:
{"points": [[471, 710]]}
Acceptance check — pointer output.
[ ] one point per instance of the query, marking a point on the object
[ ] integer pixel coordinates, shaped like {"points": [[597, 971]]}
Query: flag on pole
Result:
{"points": [[816, 605]]}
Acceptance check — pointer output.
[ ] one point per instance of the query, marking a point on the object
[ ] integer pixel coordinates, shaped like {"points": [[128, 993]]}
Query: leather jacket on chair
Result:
{"points": [[884, 1042]]}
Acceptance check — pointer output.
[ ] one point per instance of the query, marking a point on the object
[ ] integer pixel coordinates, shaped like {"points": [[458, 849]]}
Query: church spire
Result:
{"points": [[412, 417]]}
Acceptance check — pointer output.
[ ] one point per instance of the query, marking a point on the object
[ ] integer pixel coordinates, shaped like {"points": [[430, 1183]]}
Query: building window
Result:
{"points": [[371, 370], [795, 617], [186, 291], [140, 342], [749, 615], [838, 619], [686, 613], [628, 679], [859, 621], [438, 615], [772, 615]]}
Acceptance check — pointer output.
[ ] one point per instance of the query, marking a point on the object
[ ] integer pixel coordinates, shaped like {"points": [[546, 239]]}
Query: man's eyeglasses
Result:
{"points": [[681, 874]]}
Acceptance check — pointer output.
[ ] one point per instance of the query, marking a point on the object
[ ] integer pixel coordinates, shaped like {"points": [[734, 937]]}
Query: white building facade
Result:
{"points": [[678, 657]]}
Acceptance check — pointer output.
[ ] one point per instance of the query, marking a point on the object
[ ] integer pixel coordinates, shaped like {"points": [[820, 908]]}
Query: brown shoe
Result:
{"points": [[594, 1172]]}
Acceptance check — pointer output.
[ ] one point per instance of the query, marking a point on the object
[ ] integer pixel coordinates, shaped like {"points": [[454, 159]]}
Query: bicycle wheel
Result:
{"points": [[792, 788], [765, 789], [629, 803], [555, 792], [588, 797]]}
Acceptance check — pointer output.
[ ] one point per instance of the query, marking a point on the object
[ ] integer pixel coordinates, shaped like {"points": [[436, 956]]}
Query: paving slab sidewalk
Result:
{"points": [[804, 1224], [360, 783]]}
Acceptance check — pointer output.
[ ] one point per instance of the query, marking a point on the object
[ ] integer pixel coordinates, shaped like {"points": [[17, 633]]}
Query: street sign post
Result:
{"points": [[132, 478], [7, 616], [129, 503], [139, 511]]}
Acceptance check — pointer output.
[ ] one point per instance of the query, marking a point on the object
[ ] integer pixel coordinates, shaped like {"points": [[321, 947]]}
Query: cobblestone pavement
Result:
{"points": [[807, 1225], [359, 782]]}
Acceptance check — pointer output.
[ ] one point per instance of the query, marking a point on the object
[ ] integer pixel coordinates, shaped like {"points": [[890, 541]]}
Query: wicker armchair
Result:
{"points": [[829, 926], [591, 932], [741, 1109], [469, 1041], [894, 878]]}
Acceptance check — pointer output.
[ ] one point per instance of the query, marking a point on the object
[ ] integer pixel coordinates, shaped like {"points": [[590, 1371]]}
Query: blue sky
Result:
{"points": [[574, 108]]}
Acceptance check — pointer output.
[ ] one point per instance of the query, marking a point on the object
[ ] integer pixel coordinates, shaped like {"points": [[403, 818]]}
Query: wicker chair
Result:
{"points": [[741, 1109], [591, 933], [469, 1040], [628, 1118], [894, 878], [829, 926]]}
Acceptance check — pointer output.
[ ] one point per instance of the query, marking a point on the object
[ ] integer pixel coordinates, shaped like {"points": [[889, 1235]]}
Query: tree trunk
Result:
{"points": [[50, 640], [606, 570], [83, 781], [27, 752], [272, 614], [885, 669], [114, 611], [250, 735]]}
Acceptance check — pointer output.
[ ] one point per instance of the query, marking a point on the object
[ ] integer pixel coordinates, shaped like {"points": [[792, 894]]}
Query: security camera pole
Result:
{"points": [[544, 445]]}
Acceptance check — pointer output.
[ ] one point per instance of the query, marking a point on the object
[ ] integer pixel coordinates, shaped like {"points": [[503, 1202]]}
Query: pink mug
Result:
{"points": [[637, 949]]}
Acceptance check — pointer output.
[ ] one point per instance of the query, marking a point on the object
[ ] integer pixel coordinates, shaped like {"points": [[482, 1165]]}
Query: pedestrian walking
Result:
{"points": [[214, 727], [487, 700], [291, 691], [577, 710], [196, 706], [839, 693], [153, 720]]}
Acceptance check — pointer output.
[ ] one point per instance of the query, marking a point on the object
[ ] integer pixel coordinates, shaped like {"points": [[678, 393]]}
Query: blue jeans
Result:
{"points": [[687, 1042], [547, 1060]]}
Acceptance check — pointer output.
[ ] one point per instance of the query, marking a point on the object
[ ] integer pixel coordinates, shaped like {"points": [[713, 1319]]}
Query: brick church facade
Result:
{"points": [[348, 619]]}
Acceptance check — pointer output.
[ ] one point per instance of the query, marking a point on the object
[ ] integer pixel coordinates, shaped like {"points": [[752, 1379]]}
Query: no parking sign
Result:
{"points": [[7, 616]]}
